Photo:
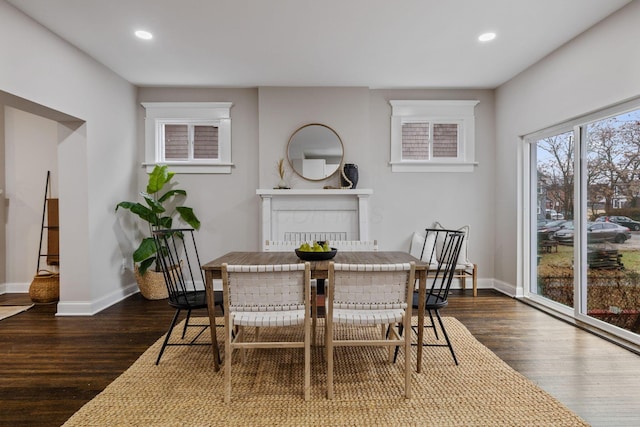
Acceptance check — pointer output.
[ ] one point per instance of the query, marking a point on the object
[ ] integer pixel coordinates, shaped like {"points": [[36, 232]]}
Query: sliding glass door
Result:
{"points": [[585, 220], [553, 234], [612, 184]]}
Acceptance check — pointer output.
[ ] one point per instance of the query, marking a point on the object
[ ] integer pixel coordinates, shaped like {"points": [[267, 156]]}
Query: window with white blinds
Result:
{"points": [[431, 136], [425, 140], [190, 142], [192, 137]]}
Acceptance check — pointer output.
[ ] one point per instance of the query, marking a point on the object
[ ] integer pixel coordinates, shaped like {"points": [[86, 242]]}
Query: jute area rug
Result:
{"points": [[184, 390], [10, 310]]}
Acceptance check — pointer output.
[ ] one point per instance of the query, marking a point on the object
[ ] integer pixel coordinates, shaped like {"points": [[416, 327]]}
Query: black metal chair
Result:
{"points": [[442, 248], [177, 257]]}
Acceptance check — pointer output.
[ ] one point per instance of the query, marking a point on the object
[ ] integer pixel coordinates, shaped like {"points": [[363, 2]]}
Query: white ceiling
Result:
{"points": [[374, 43]]}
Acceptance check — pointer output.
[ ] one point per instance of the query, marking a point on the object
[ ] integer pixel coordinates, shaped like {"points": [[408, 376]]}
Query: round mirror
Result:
{"points": [[315, 152]]}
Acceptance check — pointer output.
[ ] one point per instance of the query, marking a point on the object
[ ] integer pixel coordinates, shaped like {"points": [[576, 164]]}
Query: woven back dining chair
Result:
{"points": [[271, 296], [177, 256], [341, 246], [364, 295], [442, 249], [290, 246]]}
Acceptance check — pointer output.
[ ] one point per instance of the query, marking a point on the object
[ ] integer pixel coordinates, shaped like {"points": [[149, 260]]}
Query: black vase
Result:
{"points": [[349, 176]]}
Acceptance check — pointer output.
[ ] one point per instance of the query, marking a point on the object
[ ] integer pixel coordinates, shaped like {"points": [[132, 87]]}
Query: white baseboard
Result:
{"points": [[482, 284], [14, 288], [89, 308], [75, 308], [497, 285], [506, 288]]}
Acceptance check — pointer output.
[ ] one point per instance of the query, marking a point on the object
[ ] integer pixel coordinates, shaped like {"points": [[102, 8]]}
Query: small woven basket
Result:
{"points": [[152, 285], [45, 287]]}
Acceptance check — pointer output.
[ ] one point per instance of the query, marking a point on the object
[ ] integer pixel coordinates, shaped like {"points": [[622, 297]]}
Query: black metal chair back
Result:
{"points": [[443, 248], [178, 258]]}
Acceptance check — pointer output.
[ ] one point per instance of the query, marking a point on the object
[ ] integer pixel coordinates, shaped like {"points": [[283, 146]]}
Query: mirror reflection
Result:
{"points": [[315, 152]]}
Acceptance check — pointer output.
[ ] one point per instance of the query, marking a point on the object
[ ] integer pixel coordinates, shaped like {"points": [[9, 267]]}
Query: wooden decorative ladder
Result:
{"points": [[49, 223]]}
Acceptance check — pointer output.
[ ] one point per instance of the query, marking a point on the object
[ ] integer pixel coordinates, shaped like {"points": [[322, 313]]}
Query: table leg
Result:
{"points": [[422, 291], [211, 308], [314, 313]]}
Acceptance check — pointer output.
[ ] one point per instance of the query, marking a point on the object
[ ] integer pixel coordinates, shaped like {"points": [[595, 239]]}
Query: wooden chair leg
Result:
{"points": [[314, 313], [407, 362], [240, 338], [307, 360], [228, 352], [391, 332], [329, 349]]}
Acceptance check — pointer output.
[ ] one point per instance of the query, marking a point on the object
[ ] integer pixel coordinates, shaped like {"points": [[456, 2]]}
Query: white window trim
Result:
{"points": [[160, 113], [460, 112]]}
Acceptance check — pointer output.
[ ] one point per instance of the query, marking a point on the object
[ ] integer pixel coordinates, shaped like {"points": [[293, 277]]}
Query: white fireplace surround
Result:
{"points": [[314, 212]]}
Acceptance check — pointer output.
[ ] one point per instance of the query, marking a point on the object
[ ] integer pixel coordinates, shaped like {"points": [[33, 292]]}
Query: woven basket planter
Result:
{"points": [[45, 287], [152, 284]]}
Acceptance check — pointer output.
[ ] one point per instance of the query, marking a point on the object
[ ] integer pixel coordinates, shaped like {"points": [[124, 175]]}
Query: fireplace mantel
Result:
{"points": [[313, 192], [314, 210]]}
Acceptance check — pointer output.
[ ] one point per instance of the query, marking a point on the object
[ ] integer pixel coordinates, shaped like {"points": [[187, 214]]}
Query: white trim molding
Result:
{"points": [[157, 113]]}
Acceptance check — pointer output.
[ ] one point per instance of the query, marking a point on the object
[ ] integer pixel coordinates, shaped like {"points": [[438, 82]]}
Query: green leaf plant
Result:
{"points": [[158, 213]]}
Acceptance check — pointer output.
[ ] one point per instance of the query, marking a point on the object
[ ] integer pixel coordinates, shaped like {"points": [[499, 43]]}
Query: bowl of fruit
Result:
{"points": [[317, 251]]}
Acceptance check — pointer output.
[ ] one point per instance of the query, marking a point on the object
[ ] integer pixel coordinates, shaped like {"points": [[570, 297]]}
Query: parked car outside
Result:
{"points": [[625, 221], [552, 214], [597, 232], [545, 231]]}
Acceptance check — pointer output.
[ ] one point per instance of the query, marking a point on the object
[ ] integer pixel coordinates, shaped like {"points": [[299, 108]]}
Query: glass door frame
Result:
{"points": [[527, 245], [530, 252]]}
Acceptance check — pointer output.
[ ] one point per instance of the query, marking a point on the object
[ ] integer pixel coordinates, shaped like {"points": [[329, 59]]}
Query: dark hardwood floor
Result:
{"points": [[50, 366]]}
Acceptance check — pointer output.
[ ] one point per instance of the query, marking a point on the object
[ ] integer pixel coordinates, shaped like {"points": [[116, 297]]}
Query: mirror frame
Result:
{"points": [[299, 173]]}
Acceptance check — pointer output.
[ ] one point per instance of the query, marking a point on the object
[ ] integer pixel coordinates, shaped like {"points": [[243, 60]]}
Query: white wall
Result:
{"points": [[282, 110], [96, 153], [30, 150], [599, 68]]}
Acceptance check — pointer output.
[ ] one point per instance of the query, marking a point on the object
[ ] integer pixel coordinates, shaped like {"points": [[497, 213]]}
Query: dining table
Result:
{"points": [[319, 270]]}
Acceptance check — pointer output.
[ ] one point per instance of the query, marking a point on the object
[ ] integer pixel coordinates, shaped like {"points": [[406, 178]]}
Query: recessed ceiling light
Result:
{"points": [[144, 35], [487, 37]]}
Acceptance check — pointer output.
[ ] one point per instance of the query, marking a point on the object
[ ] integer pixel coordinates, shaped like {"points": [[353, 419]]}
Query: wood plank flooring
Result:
{"points": [[50, 366]]}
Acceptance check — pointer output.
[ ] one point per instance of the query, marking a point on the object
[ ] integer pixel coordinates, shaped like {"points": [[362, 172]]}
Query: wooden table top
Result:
{"points": [[319, 267]]}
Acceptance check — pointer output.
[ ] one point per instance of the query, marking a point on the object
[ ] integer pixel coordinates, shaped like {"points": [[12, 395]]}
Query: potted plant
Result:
{"points": [[158, 212]]}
